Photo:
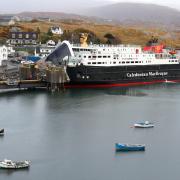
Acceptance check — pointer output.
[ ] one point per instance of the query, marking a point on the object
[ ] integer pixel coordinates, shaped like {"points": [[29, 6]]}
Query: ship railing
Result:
{"points": [[106, 45]]}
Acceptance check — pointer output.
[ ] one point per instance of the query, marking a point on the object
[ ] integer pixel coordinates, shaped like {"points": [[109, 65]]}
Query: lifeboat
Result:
{"points": [[173, 52]]}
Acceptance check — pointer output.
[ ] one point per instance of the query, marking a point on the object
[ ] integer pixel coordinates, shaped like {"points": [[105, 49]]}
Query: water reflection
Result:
{"points": [[127, 92], [10, 172]]}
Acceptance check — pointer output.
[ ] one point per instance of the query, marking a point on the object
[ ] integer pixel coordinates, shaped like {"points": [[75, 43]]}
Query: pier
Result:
{"points": [[30, 76]]}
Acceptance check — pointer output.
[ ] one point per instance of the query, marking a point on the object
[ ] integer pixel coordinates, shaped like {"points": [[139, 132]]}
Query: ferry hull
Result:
{"points": [[104, 77]]}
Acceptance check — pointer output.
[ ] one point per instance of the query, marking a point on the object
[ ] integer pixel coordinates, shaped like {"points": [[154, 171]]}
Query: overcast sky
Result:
{"points": [[9, 6]]}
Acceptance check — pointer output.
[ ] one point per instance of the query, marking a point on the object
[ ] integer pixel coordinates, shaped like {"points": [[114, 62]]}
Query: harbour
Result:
{"points": [[71, 134], [89, 91]]}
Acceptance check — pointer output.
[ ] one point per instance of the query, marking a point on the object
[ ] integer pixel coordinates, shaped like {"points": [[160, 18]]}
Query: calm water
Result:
{"points": [[71, 135]]}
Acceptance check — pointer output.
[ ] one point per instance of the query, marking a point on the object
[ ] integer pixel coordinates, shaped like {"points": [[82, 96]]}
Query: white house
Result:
{"points": [[43, 50], [4, 52], [56, 30]]}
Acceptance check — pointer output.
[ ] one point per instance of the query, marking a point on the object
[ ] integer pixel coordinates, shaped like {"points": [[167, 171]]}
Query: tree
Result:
{"points": [[152, 41], [49, 33], [38, 32], [67, 35], [34, 20], [112, 39]]}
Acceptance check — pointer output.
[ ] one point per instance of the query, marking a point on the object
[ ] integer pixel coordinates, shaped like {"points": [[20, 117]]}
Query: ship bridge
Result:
{"points": [[61, 53]]}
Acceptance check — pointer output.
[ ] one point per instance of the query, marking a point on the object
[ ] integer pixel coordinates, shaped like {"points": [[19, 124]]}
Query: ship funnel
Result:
{"points": [[83, 39]]}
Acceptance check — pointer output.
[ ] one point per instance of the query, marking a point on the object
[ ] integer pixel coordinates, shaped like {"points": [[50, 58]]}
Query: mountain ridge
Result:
{"points": [[132, 13]]}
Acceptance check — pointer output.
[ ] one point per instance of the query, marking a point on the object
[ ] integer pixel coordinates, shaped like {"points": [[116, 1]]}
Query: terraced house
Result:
{"points": [[23, 38]]}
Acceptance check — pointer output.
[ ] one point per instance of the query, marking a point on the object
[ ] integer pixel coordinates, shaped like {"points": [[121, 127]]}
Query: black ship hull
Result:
{"points": [[101, 76]]}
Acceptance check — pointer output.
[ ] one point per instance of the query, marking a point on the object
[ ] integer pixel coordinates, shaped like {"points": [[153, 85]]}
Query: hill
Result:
{"points": [[128, 34], [137, 14]]}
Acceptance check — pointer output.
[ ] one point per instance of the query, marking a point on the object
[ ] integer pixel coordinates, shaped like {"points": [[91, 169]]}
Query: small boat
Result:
{"points": [[9, 164], [145, 124], [1, 131], [129, 147]]}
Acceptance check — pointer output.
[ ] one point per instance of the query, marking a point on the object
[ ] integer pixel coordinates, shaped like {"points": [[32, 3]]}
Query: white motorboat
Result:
{"points": [[145, 124], [9, 164]]}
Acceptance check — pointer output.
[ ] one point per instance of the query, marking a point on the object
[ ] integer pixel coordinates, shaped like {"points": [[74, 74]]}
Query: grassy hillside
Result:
{"points": [[128, 35]]}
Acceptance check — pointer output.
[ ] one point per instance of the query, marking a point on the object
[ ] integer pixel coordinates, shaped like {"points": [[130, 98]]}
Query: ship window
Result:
{"points": [[109, 56], [89, 63], [132, 62], [93, 62], [84, 56], [99, 62], [79, 55], [123, 62], [89, 56], [104, 56], [136, 61], [127, 62], [114, 62], [94, 56], [99, 56], [75, 49]]}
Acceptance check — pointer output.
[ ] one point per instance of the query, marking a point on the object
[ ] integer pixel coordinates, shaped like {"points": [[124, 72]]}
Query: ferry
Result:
{"points": [[101, 66]]}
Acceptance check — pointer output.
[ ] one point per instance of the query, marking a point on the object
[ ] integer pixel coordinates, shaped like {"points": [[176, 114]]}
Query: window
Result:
{"points": [[27, 36], [20, 36], [13, 36], [34, 36]]}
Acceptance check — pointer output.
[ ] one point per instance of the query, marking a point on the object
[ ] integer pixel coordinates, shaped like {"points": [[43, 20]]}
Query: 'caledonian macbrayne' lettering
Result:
{"points": [[146, 74]]}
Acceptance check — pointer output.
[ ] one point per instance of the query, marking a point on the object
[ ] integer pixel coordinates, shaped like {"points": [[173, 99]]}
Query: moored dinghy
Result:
{"points": [[129, 147], [145, 124], [9, 164]]}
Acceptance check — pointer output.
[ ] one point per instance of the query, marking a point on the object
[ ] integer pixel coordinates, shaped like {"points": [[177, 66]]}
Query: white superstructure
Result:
{"points": [[122, 55]]}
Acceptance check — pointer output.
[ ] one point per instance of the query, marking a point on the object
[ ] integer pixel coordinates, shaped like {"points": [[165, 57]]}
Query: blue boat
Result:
{"points": [[129, 147]]}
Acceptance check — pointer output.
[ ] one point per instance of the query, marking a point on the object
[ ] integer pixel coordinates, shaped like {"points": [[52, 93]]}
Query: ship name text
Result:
{"points": [[146, 74]]}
